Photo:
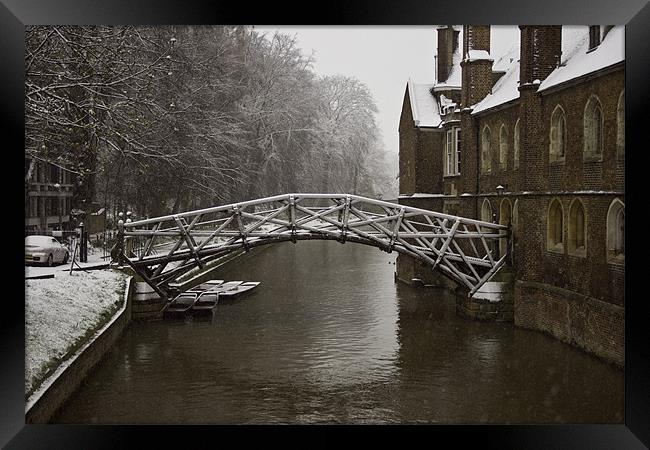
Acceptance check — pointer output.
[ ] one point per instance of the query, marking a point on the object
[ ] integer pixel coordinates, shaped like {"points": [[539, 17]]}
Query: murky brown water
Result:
{"points": [[329, 337]]}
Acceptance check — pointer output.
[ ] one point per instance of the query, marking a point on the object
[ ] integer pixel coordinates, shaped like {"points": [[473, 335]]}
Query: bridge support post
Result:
{"points": [[493, 302]]}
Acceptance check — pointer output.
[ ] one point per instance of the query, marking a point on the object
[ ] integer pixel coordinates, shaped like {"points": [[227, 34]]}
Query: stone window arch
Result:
{"points": [[620, 126], [486, 163], [616, 232], [486, 211], [593, 129], [555, 227], [558, 135], [503, 147], [577, 239], [514, 230], [505, 218], [487, 216], [517, 143]]}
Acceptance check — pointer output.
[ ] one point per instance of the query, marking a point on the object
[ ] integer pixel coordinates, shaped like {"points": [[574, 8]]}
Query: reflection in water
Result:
{"points": [[329, 337]]}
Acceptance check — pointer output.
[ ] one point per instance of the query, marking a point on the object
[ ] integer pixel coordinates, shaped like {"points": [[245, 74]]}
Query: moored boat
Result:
{"points": [[210, 284], [180, 305], [205, 303], [238, 290]]}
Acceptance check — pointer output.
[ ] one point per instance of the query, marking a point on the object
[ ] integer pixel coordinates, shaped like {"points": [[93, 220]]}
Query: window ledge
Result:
{"points": [[451, 175], [557, 162], [592, 158], [581, 253], [557, 248], [618, 260]]}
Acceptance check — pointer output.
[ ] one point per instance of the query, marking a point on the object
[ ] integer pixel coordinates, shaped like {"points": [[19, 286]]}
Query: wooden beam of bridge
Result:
{"points": [[164, 248]]}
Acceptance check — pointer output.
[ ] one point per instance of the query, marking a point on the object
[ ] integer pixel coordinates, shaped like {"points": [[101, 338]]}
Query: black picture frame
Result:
{"points": [[15, 14]]}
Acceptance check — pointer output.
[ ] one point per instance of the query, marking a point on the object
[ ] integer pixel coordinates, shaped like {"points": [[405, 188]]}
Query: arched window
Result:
{"points": [[486, 164], [505, 218], [517, 144], [593, 129], [616, 232], [486, 216], [486, 211], [558, 139], [577, 229], [503, 148], [554, 227], [620, 126]]}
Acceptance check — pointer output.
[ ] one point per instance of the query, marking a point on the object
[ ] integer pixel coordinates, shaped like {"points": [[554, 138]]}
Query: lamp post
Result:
{"points": [[57, 186]]}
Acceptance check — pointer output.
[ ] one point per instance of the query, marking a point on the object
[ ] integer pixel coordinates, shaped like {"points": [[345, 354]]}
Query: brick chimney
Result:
{"points": [[476, 84], [476, 64], [447, 45], [541, 49]]}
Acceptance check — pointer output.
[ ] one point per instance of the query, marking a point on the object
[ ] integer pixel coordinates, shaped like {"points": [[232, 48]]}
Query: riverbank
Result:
{"points": [[62, 313]]}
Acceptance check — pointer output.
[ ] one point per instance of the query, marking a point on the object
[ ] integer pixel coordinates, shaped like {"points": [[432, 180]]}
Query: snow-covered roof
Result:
{"points": [[478, 55], [424, 107], [507, 59], [576, 62], [506, 88]]}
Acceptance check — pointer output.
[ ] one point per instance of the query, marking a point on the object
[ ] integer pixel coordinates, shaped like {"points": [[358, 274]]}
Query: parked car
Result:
{"points": [[45, 250]]}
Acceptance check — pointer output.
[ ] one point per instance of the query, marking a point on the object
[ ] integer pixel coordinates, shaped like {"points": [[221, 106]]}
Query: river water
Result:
{"points": [[330, 337]]}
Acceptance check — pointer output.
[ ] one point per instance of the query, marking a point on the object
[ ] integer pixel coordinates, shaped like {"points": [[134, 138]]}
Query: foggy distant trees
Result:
{"points": [[164, 119]]}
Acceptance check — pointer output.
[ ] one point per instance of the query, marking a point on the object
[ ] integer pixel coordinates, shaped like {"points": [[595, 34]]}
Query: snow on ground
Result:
{"points": [[60, 311], [95, 257]]}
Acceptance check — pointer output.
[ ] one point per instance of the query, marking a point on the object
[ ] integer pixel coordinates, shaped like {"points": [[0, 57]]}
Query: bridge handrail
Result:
{"points": [[246, 203], [433, 237]]}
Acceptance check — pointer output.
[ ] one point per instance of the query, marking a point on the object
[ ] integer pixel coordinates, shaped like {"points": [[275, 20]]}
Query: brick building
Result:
{"points": [[48, 196], [533, 138]]}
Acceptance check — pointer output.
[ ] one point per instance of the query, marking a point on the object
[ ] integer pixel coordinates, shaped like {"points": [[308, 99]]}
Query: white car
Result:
{"points": [[45, 250]]}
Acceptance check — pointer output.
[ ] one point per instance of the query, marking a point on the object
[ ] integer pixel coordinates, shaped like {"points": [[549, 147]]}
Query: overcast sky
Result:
{"points": [[383, 58]]}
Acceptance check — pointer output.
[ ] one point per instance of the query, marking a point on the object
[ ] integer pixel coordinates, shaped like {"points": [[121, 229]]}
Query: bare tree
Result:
{"points": [[160, 119]]}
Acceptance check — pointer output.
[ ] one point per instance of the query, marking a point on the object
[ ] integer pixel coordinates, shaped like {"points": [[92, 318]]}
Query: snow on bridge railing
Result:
{"points": [[464, 249]]}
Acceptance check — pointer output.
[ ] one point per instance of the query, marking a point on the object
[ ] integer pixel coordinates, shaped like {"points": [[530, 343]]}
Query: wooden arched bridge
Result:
{"points": [[164, 248]]}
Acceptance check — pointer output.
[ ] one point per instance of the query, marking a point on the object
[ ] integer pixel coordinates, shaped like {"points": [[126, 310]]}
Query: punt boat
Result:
{"points": [[207, 300], [238, 290], [180, 305]]}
